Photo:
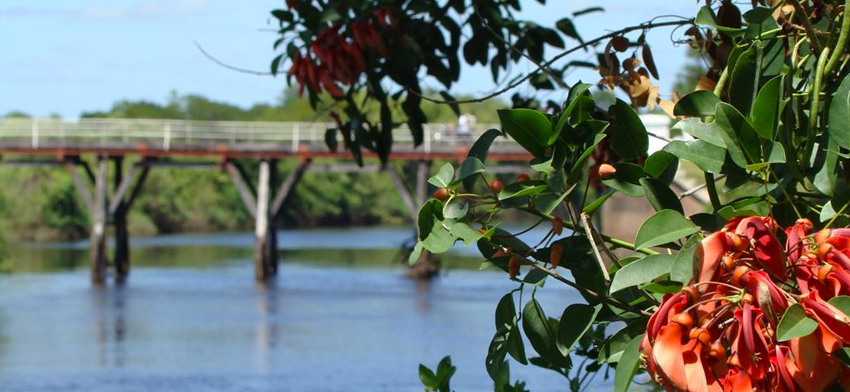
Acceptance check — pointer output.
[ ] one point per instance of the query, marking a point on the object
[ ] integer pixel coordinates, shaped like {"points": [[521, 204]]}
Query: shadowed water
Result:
{"points": [[339, 317]]}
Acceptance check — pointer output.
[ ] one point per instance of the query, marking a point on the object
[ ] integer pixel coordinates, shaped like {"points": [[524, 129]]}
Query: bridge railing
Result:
{"points": [[168, 133], [165, 134]]}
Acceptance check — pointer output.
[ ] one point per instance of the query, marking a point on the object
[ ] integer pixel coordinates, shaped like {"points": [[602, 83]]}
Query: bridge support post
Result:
{"points": [[119, 219], [264, 255], [97, 239]]}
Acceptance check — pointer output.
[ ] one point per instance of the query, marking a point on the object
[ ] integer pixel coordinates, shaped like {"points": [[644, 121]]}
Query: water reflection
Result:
{"points": [[110, 326], [334, 320], [266, 328]]}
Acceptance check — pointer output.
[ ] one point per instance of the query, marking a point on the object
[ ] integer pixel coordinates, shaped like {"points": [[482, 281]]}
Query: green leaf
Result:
{"points": [[429, 379], [743, 81], [276, 64], [547, 202], [453, 104], [481, 147], [839, 114], [663, 227], [826, 165], [683, 266], [469, 167], [414, 255], [627, 133], [456, 208], [660, 196], [439, 239], [661, 165], [592, 207], [575, 322], [576, 91], [330, 138], [767, 108], [738, 134], [704, 131], [541, 165], [578, 167], [443, 178], [612, 349], [628, 365], [525, 188], [535, 277], [430, 212], [760, 23], [794, 324], [626, 179], [842, 302], [463, 231], [568, 28], [697, 104], [530, 128], [641, 271], [445, 371], [505, 311], [706, 156], [540, 333]]}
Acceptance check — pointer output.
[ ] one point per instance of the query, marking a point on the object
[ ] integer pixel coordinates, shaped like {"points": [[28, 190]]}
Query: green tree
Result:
{"points": [[64, 212]]}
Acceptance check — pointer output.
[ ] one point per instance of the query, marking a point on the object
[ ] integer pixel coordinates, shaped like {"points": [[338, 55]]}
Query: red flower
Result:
{"points": [[719, 332]]}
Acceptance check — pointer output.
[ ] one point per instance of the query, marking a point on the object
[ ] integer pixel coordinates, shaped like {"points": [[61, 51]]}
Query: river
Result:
{"points": [[340, 316]]}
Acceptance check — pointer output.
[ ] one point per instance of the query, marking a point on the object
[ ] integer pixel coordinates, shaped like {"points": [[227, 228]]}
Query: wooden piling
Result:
{"points": [[119, 219], [97, 239], [263, 253]]}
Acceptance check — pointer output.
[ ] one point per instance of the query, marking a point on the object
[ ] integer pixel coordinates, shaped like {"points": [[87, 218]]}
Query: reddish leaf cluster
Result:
{"points": [[719, 333], [339, 55]]}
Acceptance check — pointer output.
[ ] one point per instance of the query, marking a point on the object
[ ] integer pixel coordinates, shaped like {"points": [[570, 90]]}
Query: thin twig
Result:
{"points": [[595, 248], [698, 188], [228, 66]]}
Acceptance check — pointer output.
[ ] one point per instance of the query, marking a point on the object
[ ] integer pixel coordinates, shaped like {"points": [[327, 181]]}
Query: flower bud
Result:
{"points": [[496, 186], [556, 252], [606, 170], [441, 194], [558, 226]]}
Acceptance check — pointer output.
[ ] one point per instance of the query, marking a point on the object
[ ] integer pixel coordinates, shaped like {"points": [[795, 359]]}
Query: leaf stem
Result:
{"points": [[813, 112], [842, 40], [800, 14]]}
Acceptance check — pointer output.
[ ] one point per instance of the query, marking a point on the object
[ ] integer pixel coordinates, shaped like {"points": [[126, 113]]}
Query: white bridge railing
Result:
{"points": [[164, 134], [168, 133]]}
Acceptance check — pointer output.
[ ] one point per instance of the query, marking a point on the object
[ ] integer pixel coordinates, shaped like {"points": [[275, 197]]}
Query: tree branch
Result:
{"points": [[642, 26], [601, 298], [228, 66]]}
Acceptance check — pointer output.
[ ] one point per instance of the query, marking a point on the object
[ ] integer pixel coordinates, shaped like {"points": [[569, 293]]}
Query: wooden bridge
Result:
{"points": [[85, 147]]}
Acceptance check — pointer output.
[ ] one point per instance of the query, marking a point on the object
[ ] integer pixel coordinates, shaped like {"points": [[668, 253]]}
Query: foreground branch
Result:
{"points": [[547, 64], [599, 297]]}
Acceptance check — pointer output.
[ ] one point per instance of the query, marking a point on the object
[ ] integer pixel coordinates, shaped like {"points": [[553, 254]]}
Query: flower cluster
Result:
{"points": [[719, 333], [336, 57]]}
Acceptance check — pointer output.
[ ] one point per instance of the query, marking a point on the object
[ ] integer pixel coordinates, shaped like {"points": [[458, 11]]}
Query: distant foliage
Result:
{"points": [[64, 212]]}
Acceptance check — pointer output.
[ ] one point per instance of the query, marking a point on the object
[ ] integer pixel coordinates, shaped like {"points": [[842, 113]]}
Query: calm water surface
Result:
{"points": [[339, 317]]}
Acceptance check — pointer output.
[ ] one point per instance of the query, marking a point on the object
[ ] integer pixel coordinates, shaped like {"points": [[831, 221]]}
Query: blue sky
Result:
{"points": [[64, 57]]}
